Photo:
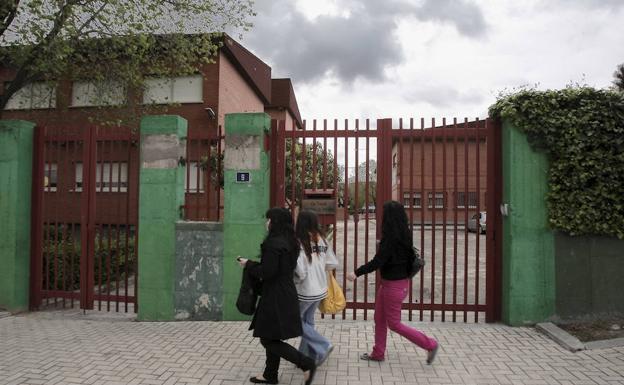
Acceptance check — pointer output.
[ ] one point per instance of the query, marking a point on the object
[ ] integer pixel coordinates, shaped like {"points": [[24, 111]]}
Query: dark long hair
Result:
{"points": [[282, 226], [307, 223], [396, 236]]}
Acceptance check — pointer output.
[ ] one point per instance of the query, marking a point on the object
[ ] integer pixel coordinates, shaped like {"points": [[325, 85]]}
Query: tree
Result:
{"points": [[111, 40], [372, 171], [619, 78], [313, 176], [361, 188]]}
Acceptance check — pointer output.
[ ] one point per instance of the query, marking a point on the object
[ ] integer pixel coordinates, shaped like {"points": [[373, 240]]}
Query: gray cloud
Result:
{"points": [[443, 96], [466, 16], [361, 45], [594, 3], [554, 6]]}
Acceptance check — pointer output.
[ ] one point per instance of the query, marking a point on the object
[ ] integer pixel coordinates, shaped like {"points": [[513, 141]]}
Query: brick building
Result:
{"points": [[237, 81], [440, 174]]}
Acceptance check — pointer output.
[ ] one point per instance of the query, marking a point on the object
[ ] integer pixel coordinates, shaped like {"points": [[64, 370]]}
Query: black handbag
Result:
{"points": [[417, 264], [248, 293]]}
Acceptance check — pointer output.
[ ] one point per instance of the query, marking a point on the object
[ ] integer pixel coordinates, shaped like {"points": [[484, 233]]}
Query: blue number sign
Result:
{"points": [[243, 177]]}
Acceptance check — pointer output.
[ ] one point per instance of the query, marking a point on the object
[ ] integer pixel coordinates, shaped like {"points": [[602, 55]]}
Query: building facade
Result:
{"points": [[237, 81], [441, 178]]}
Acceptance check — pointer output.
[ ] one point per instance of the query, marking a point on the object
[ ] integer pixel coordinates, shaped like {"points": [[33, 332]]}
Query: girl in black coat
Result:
{"points": [[277, 314]]}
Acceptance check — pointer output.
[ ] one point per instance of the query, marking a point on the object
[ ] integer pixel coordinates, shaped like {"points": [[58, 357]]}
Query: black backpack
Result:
{"points": [[417, 264], [249, 291]]}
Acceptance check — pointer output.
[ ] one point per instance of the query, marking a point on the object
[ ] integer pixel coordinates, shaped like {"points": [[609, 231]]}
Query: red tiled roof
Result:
{"points": [[254, 70], [283, 96]]}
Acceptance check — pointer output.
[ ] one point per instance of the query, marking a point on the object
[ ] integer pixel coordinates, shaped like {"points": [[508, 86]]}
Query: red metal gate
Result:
{"points": [[203, 178], [84, 219], [445, 174]]}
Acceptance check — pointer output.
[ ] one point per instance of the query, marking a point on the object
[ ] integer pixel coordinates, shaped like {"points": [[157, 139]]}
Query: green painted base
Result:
{"points": [[245, 207], [528, 281], [16, 154]]}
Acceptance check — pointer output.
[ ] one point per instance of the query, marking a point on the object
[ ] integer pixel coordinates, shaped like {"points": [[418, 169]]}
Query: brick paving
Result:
{"points": [[100, 348]]}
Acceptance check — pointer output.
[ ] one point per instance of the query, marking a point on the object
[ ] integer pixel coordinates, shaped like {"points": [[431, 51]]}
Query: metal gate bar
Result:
{"points": [[203, 176], [449, 275], [77, 170]]}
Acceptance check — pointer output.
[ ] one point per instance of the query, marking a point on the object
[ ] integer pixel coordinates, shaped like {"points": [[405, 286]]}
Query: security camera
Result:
{"points": [[210, 112]]}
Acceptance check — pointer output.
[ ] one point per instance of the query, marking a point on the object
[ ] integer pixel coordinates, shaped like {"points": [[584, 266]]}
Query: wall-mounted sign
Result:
{"points": [[243, 177], [320, 206]]}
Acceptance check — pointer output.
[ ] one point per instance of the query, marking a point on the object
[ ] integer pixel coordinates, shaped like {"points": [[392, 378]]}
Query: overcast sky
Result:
{"points": [[432, 58]]}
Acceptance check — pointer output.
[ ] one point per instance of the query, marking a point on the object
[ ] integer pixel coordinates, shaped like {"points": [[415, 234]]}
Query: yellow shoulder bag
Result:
{"points": [[335, 301]]}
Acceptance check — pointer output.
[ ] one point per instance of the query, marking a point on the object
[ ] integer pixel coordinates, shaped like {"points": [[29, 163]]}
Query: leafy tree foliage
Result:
{"points": [[313, 176], [119, 40], [619, 78], [582, 131]]}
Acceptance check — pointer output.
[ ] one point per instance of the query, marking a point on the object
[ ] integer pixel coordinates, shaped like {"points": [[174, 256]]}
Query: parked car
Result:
{"points": [[371, 209], [477, 223]]}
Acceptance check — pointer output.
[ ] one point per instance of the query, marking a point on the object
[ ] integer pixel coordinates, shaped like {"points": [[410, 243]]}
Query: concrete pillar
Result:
{"points": [[528, 281], [16, 154], [247, 190], [161, 195]]}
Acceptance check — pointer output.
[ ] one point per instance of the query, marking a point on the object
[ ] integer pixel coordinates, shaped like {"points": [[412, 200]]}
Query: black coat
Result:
{"points": [[277, 314]]}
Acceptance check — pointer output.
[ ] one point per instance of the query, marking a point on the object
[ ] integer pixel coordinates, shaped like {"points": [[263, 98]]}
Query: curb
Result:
{"points": [[560, 336], [572, 343], [605, 344]]}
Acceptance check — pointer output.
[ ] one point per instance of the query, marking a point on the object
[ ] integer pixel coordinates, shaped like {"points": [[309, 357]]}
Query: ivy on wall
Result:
{"points": [[582, 131]]}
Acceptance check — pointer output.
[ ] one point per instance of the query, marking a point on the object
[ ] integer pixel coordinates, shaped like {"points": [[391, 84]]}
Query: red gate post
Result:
{"points": [[278, 165], [384, 168], [87, 219], [494, 234], [36, 262]]}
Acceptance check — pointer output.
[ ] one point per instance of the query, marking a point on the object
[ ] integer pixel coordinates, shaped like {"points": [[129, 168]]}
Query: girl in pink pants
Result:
{"points": [[394, 259]]}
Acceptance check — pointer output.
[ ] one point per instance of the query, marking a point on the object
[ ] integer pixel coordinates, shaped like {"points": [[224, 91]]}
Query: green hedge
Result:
{"points": [[61, 258], [582, 131]]}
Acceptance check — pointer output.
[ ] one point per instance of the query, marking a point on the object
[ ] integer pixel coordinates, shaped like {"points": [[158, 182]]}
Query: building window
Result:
{"points": [[412, 200], [183, 89], [109, 177], [33, 96], [86, 94], [461, 200], [78, 177], [194, 178], [50, 177], [439, 200]]}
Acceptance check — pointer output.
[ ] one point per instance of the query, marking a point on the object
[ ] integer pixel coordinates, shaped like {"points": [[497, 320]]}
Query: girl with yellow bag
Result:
{"points": [[316, 260]]}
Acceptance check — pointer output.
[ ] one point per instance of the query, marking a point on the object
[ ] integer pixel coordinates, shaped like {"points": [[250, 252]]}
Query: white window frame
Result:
{"points": [[172, 90], [415, 198], [112, 182], [33, 96], [115, 183], [77, 177], [460, 200], [94, 94], [190, 176], [438, 196], [50, 176]]}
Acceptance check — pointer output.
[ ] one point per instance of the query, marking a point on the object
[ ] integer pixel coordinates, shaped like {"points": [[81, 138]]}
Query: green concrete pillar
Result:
{"points": [[16, 154], [247, 191], [161, 193], [528, 281]]}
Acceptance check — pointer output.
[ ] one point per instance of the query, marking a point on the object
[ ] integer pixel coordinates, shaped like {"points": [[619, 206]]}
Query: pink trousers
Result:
{"points": [[390, 296]]}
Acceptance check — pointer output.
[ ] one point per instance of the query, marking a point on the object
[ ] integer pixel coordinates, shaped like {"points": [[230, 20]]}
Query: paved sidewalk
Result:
{"points": [[63, 348]]}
